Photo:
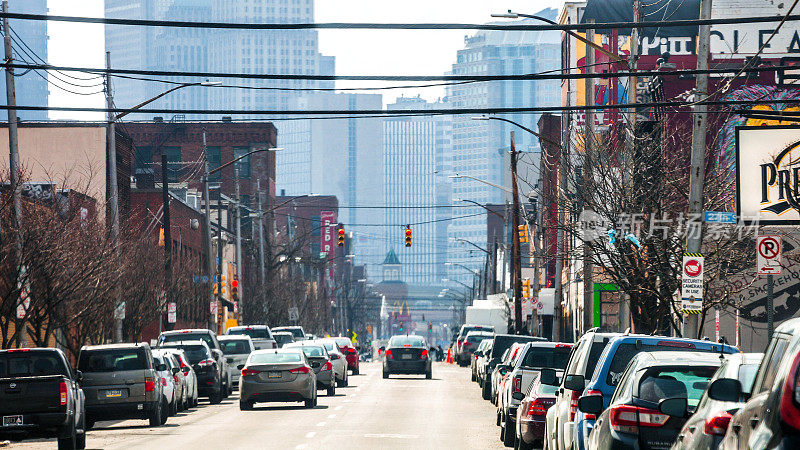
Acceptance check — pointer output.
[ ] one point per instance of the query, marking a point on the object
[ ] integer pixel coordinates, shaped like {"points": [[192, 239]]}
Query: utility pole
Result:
{"points": [[517, 277], [167, 235], [239, 263], [260, 233], [13, 159], [207, 234], [588, 140], [219, 259], [694, 238], [112, 192]]}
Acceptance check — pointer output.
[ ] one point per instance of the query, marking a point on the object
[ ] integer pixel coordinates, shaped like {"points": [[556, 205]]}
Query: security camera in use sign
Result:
{"points": [[692, 283]]}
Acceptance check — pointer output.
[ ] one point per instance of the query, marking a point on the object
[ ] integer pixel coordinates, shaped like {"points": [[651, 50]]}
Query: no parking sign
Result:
{"points": [[768, 255]]}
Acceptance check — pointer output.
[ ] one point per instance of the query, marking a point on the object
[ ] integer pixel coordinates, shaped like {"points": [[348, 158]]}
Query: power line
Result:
{"points": [[399, 26]]}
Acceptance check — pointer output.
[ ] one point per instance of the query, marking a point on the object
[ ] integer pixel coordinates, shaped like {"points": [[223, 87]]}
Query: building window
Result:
{"points": [[213, 154], [173, 163], [144, 159], [243, 165]]}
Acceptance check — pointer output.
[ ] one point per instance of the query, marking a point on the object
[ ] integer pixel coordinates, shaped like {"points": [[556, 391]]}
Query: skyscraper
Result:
{"points": [[416, 155], [29, 41], [480, 146]]}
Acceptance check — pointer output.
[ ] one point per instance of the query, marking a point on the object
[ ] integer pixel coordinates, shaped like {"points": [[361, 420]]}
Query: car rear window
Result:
{"points": [[296, 332], [466, 330], [746, 376], [329, 346], [478, 338], [503, 343], [26, 364], [199, 336], [672, 382], [594, 357], [311, 351], [626, 351], [283, 338], [343, 342], [255, 333], [275, 358], [235, 347], [112, 360], [546, 389], [554, 358], [195, 353], [406, 341]]}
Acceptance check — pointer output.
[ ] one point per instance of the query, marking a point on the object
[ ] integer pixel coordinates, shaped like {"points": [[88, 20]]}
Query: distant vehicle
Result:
{"points": [[260, 334], [165, 376], [282, 337], [120, 381], [533, 357], [500, 343], [461, 337], [282, 375], [210, 338], [41, 397], [489, 314], [652, 399], [209, 373], [500, 373], [188, 373], [338, 359], [349, 351], [237, 349], [473, 363], [297, 332], [482, 360], [531, 414], [770, 418], [470, 344], [320, 362], [708, 424], [407, 355]]}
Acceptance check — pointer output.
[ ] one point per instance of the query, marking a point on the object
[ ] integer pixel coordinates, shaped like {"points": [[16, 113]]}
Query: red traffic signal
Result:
{"points": [[340, 241], [235, 289], [408, 236]]}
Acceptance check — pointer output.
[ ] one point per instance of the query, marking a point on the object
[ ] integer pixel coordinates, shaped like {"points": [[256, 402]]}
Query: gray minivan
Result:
{"points": [[120, 382]]}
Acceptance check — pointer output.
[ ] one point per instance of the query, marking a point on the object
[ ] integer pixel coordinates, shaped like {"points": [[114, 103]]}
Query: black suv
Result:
{"points": [[210, 338], [209, 372]]}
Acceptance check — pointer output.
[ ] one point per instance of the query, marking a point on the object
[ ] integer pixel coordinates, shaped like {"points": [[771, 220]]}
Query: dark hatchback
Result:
{"points": [[209, 373], [406, 355]]}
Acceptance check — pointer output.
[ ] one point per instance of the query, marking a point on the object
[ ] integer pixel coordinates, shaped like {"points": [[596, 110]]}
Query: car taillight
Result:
{"points": [[303, 369], [327, 366], [175, 377], [516, 386], [163, 381], [467, 344], [274, 345], [18, 350], [389, 354], [351, 350], [63, 390], [537, 408], [248, 372], [718, 424], [424, 355], [149, 384], [790, 397], [592, 392], [628, 418], [573, 405], [678, 344], [206, 363]]}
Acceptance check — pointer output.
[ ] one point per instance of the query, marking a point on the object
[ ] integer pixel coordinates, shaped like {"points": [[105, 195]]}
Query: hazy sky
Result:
{"points": [[358, 52]]}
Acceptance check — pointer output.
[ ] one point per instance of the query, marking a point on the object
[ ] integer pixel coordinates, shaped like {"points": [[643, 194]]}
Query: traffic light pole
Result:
{"points": [[207, 234], [516, 248], [239, 244], [167, 236]]}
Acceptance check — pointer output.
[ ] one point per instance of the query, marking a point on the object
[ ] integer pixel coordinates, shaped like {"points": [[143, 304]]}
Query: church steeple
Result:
{"points": [[391, 267]]}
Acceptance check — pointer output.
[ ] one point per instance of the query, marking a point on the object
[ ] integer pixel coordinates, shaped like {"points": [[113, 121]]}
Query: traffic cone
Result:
{"points": [[449, 356]]}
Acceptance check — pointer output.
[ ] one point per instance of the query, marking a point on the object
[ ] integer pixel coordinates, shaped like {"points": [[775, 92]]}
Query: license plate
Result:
{"points": [[274, 374], [10, 421], [406, 356], [114, 393]]}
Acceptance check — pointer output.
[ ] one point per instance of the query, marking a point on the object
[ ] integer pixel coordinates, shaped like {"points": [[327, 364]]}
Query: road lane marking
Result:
{"points": [[311, 434], [331, 416], [321, 424], [338, 408], [301, 446]]}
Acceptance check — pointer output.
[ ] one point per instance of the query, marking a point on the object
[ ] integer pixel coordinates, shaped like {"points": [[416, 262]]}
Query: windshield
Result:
{"points": [[296, 332], [342, 342], [235, 347], [195, 353], [23, 364], [467, 329], [255, 333], [283, 338], [330, 346], [503, 343], [199, 336], [407, 341], [689, 383], [112, 360], [275, 358], [554, 358], [311, 351]]}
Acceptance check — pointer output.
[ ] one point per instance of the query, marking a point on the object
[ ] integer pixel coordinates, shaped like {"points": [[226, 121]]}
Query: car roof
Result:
{"points": [[791, 326], [234, 337], [480, 332], [647, 338], [654, 359], [113, 346], [186, 342], [188, 330], [244, 327], [546, 344], [283, 349], [289, 327]]}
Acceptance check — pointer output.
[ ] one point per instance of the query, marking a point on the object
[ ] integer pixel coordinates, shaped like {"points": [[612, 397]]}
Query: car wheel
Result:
{"points": [[164, 412], [428, 375], [68, 442], [485, 391], [355, 371], [498, 421], [310, 402], [80, 440], [215, 397], [173, 408], [332, 390], [385, 374], [155, 416], [245, 406], [346, 379], [88, 425], [507, 434], [473, 377]]}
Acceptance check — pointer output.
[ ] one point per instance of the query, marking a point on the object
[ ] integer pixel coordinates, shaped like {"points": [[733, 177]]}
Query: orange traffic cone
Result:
{"points": [[449, 356]]}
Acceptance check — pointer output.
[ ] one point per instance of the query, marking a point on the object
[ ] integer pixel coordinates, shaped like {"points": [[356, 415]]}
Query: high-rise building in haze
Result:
{"points": [[29, 42], [416, 162], [480, 146]]}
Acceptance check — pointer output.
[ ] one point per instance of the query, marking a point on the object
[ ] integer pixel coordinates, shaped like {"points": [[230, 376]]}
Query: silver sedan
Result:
{"points": [[337, 359], [281, 375]]}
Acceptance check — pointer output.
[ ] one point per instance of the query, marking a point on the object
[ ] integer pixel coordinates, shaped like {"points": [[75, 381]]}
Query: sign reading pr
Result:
{"points": [[692, 283], [768, 255]]}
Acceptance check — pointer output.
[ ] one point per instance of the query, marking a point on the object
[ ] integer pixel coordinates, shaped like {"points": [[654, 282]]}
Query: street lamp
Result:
{"points": [[456, 175], [503, 119], [180, 86], [472, 271], [472, 244], [479, 204]]}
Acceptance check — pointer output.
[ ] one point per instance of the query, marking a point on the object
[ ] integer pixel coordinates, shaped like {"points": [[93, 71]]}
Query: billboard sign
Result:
{"points": [[327, 221]]}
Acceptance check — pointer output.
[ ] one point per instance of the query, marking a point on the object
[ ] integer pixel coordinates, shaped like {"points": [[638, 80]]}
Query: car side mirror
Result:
{"points": [[186, 370], [548, 377], [175, 370], [78, 375], [161, 367], [725, 390], [502, 369], [217, 354], [518, 396], [674, 407], [334, 356], [240, 366], [574, 382], [383, 348], [591, 404]]}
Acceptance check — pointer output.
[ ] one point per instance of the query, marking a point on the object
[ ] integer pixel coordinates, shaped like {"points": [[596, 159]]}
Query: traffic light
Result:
{"points": [[235, 289], [523, 233], [526, 288], [161, 237], [340, 242], [408, 236], [219, 287]]}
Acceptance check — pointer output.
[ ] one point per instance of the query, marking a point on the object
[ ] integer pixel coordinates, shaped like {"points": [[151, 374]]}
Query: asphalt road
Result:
{"points": [[401, 412]]}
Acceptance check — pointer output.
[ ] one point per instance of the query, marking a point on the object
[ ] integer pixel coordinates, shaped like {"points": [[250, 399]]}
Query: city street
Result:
{"points": [[401, 412]]}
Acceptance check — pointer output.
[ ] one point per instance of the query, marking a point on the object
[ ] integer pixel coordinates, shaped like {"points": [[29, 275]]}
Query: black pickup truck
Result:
{"points": [[40, 397]]}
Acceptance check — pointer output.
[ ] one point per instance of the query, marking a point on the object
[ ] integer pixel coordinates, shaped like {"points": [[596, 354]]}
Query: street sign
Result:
{"points": [[119, 311], [24, 304], [294, 314], [769, 251], [720, 217], [172, 312], [214, 310], [201, 279], [692, 283]]}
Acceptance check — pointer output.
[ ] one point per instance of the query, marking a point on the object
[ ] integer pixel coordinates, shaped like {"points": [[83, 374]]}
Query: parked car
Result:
{"points": [[407, 354], [470, 343], [500, 343], [473, 362], [282, 375], [120, 381], [260, 334], [320, 362], [461, 337], [237, 349], [41, 397], [210, 338], [771, 416], [297, 332], [706, 427], [653, 398], [189, 376], [530, 423], [209, 372], [172, 393], [282, 337], [481, 362], [337, 359], [533, 357], [619, 351], [501, 370], [559, 423], [350, 353]]}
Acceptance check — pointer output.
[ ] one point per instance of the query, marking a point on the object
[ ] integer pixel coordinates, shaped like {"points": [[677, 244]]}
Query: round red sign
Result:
{"points": [[692, 268]]}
